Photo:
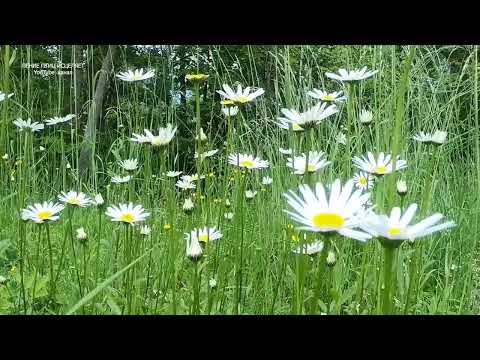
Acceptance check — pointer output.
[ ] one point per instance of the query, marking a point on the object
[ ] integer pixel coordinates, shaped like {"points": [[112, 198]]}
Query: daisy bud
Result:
{"points": [[81, 234], [188, 205], [194, 250], [3, 279], [227, 203], [98, 200], [212, 283], [5, 157], [145, 230], [228, 216], [401, 187], [331, 258], [41, 148], [68, 166], [249, 194], [203, 137], [366, 117]]}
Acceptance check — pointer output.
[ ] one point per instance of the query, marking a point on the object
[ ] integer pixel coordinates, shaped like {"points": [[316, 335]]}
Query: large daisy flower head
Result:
{"points": [[74, 198], [28, 125], [336, 96], [308, 118], [247, 161], [129, 164], [59, 119], [136, 75], [436, 138], [205, 234], [340, 212], [379, 166], [351, 75], [316, 162], [42, 212], [241, 96], [397, 227], [127, 213]]}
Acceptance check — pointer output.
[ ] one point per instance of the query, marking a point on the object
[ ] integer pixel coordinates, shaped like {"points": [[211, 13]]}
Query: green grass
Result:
{"points": [[119, 271]]}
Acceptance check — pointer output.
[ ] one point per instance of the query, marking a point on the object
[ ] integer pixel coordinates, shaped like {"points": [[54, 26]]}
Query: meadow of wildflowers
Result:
{"points": [[354, 191]]}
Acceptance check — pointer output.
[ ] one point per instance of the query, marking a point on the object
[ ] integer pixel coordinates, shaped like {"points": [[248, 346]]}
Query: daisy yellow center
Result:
{"points": [[203, 237], [381, 169], [74, 201], [247, 163], [136, 77], [296, 127], [45, 214], [394, 231], [326, 219], [156, 141], [242, 99], [311, 168], [327, 98], [227, 102], [127, 217], [362, 181]]}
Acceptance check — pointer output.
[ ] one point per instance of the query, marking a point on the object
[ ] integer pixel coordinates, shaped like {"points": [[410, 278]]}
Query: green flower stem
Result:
{"points": [[50, 258], [241, 222], [388, 280]]}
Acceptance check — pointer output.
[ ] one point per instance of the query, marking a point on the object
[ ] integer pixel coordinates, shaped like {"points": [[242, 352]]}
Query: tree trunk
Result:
{"points": [[94, 114]]}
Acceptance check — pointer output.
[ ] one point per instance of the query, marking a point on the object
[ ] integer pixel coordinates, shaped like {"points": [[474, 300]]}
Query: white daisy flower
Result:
{"points": [[352, 75], [192, 178], [28, 125], [309, 249], [250, 194], [240, 96], [5, 156], [228, 215], [185, 185], [58, 120], [315, 162], [230, 110], [341, 138], [205, 234], [381, 166], [129, 164], [74, 198], [165, 135], [188, 205], [363, 180], [41, 212], [267, 180], [438, 137], [311, 117], [247, 161], [4, 96], [174, 173], [402, 187], [285, 151], [342, 213], [397, 227], [127, 213], [41, 148], [206, 154], [98, 200], [136, 75], [81, 234], [121, 179], [366, 117], [325, 96]]}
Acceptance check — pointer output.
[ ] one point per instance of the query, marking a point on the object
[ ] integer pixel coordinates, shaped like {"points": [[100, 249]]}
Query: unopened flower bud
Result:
{"points": [[401, 187], [331, 258]]}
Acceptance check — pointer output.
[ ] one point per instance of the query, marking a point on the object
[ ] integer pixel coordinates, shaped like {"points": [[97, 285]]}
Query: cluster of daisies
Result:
{"points": [[341, 208]]}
